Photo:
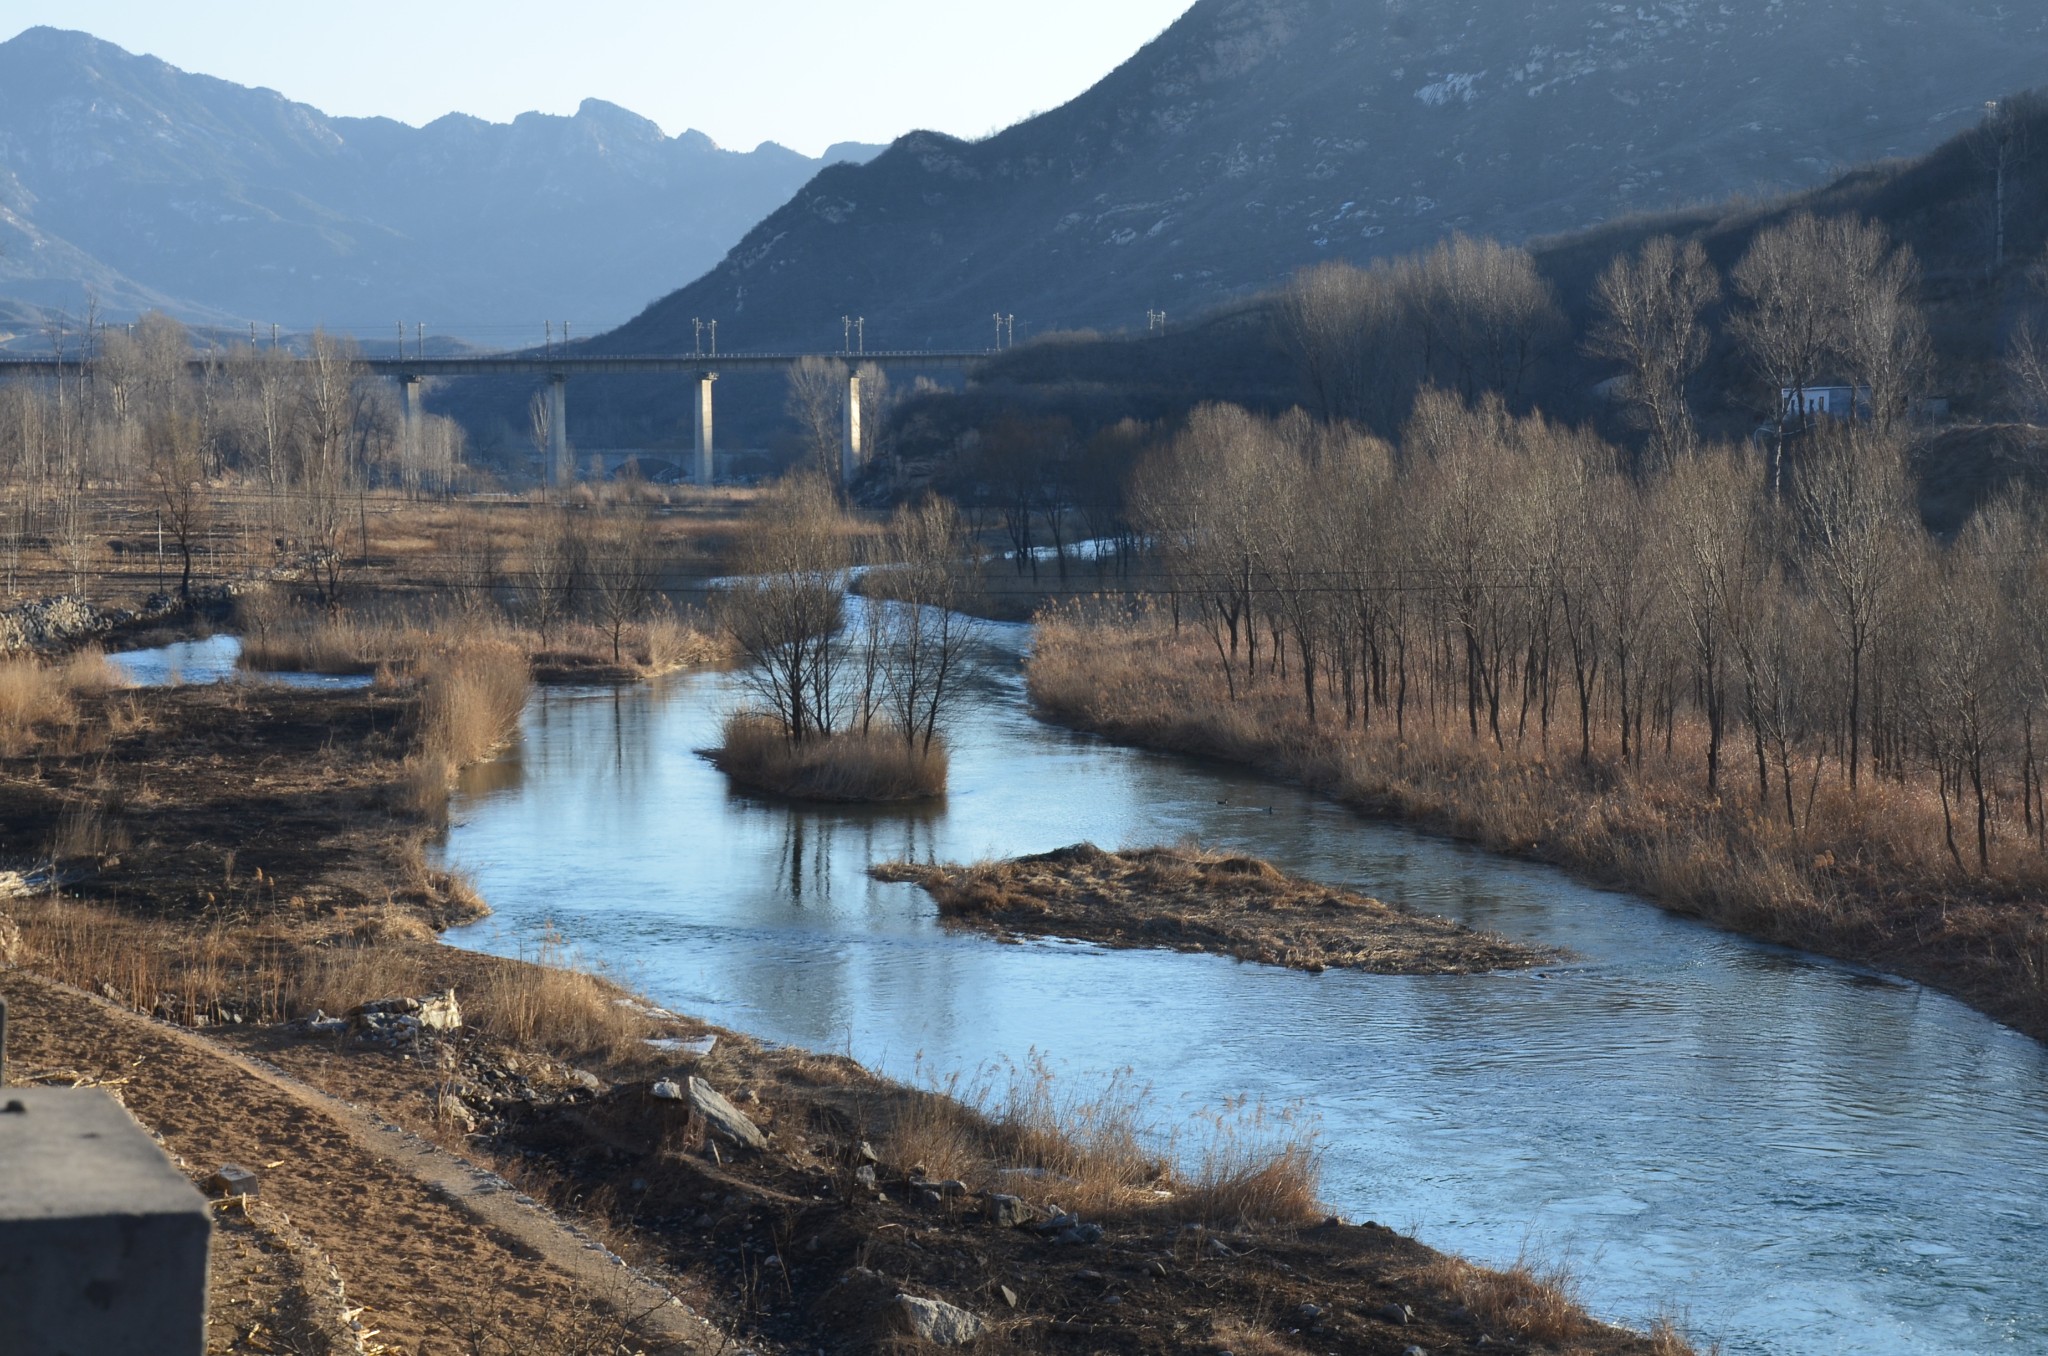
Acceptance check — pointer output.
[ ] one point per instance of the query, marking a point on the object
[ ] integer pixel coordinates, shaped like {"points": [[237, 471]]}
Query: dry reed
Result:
{"points": [[39, 697], [340, 643], [1528, 1301], [1016, 1130], [879, 766]]}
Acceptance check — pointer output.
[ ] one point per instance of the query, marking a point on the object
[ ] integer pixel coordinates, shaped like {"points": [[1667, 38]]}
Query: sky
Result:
{"points": [[805, 73]]}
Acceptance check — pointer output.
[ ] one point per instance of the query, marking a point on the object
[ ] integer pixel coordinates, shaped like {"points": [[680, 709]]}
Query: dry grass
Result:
{"points": [[197, 974], [188, 974], [666, 644], [1245, 1337], [339, 643], [543, 1002], [473, 690], [39, 697], [1187, 899], [851, 768], [88, 833], [1250, 1165], [1528, 1301], [288, 641], [536, 1003], [472, 685], [1103, 1154], [1862, 876]]}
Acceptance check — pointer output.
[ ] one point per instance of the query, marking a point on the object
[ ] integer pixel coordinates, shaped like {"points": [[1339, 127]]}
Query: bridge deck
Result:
{"points": [[544, 365]]}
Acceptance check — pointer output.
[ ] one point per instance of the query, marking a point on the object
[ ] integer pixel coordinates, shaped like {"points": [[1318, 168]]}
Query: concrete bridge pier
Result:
{"points": [[706, 468], [559, 470], [413, 411], [849, 445]]}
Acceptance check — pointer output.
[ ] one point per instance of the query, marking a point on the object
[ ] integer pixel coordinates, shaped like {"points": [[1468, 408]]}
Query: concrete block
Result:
{"points": [[103, 1243], [234, 1181]]}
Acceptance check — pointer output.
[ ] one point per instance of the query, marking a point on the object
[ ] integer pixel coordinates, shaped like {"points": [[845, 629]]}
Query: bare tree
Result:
{"points": [[1853, 504], [554, 572], [787, 609], [540, 427], [1484, 313], [623, 562], [2026, 371], [1881, 334], [932, 642], [333, 456], [1651, 307], [475, 567], [177, 481], [817, 401]]}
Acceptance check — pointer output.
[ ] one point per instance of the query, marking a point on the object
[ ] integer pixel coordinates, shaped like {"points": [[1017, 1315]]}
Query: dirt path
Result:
{"points": [[443, 1258]]}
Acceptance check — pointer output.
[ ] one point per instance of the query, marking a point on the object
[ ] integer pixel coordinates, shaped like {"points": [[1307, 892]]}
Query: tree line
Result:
{"points": [[310, 432], [1532, 586], [1814, 300]]}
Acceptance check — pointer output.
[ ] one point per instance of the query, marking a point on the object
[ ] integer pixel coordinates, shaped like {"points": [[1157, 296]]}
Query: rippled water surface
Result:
{"points": [[1795, 1156]]}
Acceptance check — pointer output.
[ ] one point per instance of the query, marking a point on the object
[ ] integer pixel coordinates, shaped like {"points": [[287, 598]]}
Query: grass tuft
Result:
{"points": [[878, 767]]}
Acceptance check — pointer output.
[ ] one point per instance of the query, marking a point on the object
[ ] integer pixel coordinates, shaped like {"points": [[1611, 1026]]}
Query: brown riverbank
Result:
{"points": [[1183, 899], [1863, 878], [255, 856]]}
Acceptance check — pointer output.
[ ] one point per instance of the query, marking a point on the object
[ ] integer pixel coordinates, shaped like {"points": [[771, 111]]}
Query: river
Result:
{"points": [[1792, 1155]]}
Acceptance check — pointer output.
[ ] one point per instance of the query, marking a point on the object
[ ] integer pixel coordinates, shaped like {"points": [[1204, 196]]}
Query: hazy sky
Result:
{"points": [[802, 72]]}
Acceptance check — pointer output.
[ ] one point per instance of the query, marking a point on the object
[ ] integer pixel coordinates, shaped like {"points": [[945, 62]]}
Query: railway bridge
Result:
{"points": [[701, 369]]}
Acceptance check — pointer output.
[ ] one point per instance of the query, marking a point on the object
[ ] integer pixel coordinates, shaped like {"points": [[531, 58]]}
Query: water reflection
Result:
{"points": [[1803, 1157], [214, 660]]}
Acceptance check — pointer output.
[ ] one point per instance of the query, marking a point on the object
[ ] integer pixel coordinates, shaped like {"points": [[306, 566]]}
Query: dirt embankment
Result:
{"points": [[251, 861], [1187, 900]]}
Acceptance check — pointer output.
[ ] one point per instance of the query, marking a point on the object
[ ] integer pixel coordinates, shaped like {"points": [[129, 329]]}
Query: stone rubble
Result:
{"points": [[51, 625], [724, 1120], [939, 1323]]}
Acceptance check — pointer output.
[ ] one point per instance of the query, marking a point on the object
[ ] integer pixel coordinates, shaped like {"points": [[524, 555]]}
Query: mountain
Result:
{"points": [[1256, 136], [151, 187]]}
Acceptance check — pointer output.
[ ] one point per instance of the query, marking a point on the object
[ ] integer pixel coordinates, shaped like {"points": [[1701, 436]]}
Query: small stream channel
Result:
{"points": [[1792, 1155]]}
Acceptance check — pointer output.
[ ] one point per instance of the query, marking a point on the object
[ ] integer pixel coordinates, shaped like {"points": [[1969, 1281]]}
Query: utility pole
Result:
{"points": [[860, 333], [1155, 322], [698, 325], [846, 335], [419, 347], [550, 339], [714, 338]]}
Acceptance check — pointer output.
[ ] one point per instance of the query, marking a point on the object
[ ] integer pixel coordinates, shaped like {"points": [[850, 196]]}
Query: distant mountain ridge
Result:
{"points": [[1257, 136], [152, 187]]}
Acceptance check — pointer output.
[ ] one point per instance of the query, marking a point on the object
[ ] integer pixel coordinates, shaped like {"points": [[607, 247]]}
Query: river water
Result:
{"points": [[214, 660], [1792, 1155]]}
